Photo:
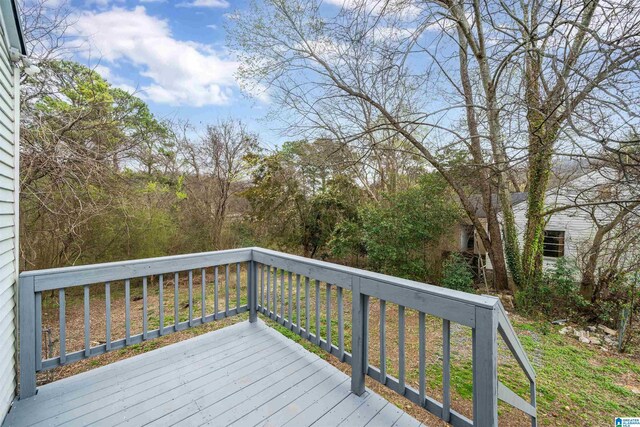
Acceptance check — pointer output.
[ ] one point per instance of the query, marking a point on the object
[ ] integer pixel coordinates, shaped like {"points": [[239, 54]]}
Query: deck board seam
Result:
{"points": [[130, 405], [141, 358], [294, 354], [287, 402], [326, 412], [329, 380], [278, 381], [317, 399], [120, 386]]}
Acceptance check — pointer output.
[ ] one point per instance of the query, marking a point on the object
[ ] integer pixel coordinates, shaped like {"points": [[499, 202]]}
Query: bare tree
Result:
{"points": [[510, 87], [216, 171]]}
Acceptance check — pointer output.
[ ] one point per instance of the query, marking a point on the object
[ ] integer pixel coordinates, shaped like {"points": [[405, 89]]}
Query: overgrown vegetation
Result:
{"points": [[117, 183], [391, 166], [556, 294], [457, 274]]}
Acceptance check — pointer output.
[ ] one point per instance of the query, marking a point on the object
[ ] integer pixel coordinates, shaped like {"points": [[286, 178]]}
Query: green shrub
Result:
{"points": [[557, 293], [457, 274], [398, 232]]}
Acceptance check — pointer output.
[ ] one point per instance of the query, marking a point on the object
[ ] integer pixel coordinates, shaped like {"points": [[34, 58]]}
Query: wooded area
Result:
{"points": [[408, 118]]}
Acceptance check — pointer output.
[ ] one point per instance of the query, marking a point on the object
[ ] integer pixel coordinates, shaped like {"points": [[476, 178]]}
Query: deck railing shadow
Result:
{"points": [[322, 302]]}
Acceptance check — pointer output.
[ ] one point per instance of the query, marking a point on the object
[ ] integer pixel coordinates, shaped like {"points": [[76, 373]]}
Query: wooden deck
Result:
{"points": [[246, 374]]}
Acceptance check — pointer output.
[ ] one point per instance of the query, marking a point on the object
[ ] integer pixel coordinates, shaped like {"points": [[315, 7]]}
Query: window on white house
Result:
{"points": [[553, 243]]}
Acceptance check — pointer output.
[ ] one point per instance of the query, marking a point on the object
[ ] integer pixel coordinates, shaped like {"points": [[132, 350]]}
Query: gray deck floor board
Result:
{"points": [[245, 374], [134, 388]]}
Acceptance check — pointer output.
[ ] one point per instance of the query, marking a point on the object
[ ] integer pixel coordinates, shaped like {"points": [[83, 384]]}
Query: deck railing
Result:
{"points": [[284, 287]]}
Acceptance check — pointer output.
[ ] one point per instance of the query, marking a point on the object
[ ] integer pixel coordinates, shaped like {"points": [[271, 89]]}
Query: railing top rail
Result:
{"points": [[512, 341], [55, 278], [484, 301], [93, 273]]}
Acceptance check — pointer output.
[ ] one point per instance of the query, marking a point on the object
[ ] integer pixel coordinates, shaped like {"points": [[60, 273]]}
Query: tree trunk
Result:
{"points": [[542, 136], [588, 283], [496, 253], [541, 142], [494, 245]]}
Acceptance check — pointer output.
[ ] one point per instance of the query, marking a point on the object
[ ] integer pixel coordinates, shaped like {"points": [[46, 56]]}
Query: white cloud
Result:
{"points": [[101, 3], [180, 72], [115, 80], [205, 3], [105, 72], [153, 1]]}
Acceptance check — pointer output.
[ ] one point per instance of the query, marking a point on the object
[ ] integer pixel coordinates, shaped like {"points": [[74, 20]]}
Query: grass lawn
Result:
{"points": [[577, 384]]}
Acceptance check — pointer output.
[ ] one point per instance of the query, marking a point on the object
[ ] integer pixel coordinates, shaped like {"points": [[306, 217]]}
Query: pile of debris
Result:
{"points": [[599, 335]]}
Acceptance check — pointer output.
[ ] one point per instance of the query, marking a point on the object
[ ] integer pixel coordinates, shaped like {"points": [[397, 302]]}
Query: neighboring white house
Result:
{"points": [[11, 59], [570, 231]]}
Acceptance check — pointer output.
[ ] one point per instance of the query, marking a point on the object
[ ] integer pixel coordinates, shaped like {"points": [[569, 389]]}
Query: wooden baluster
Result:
{"points": [[422, 358], [268, 308], [446, 370], [144, 309], [63, 327], [161, 303], [215, 292], [401, 361], [107, 302], [226, 290], [261, 267], [307, 307], [203, 296], [298, 304], [275, 294], [190, 298], [238, 286], [282, 296], [87, 322], [365, 339], [127, 312], [383, 347], [317, 312], [340, 325], [290, 301], [38, 331], [328, 309], [176, 301]]}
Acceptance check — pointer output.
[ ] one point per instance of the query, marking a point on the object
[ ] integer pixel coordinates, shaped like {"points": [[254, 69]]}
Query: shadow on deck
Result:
{"points": [[246, 374]]}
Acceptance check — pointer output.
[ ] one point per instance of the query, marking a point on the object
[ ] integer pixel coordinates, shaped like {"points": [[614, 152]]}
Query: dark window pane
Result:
{"points": [[553, 245]]}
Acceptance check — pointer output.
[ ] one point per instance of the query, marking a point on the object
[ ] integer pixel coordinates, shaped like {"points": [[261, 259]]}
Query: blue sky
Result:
{"points": [[173, 55]]}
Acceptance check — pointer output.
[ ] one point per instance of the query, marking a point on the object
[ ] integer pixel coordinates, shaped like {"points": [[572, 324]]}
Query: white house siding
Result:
{"points": [[577, 224], [7, 230]]}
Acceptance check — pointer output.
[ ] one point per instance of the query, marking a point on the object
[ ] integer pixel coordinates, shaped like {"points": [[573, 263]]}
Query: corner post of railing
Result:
{"points": [[358, 322], [27, 336], [252, 290], [485, 367]]}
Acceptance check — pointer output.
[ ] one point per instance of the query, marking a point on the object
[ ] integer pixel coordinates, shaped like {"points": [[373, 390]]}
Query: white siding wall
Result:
{"points": [[577, 226], [7, 232]]}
